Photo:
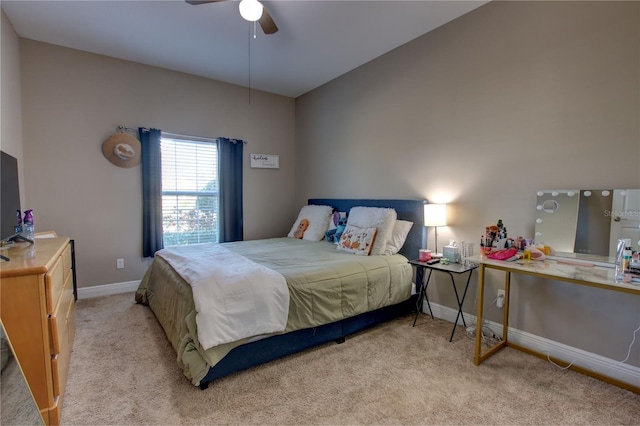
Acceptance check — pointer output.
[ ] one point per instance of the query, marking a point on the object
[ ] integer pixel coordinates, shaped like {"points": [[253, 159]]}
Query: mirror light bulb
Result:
{"points": [[587, 193], [538, 220], [571, 193], [539, 207], [554, 193], [605, 193], [251, 10], [540, 193]]}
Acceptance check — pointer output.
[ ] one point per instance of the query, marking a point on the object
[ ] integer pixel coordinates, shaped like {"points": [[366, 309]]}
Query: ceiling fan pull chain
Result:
{"points": [[254, 29], [249, 61]]}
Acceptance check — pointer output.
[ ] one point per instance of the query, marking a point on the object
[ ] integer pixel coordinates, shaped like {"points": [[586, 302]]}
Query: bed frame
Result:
{"points": [[265, 350]]}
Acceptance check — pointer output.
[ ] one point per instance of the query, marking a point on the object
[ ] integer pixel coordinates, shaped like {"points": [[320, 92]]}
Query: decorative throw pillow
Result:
{"points": [[357, 240], [380, 218], [400, 231], [312, 223]]}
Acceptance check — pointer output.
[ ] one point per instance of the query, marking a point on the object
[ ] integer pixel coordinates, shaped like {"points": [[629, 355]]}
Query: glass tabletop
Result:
{"points": [[457, 268]]}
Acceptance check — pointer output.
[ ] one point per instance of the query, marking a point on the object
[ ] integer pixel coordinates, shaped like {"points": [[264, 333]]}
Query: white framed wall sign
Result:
{"points": [[265, 161]]}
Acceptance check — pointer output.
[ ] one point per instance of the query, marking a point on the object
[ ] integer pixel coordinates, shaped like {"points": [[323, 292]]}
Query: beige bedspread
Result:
{"points": [[325, 285]]}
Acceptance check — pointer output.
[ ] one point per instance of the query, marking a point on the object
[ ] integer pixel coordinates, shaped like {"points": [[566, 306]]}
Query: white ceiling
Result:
{"points": [[317, 40]]}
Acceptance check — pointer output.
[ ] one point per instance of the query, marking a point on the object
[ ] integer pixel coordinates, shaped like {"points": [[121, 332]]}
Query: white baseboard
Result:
{"points": [[595, 363], [107, 289]]}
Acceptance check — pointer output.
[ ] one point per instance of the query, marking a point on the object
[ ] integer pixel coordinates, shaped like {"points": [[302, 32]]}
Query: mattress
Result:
{"points": [[325, 285]]}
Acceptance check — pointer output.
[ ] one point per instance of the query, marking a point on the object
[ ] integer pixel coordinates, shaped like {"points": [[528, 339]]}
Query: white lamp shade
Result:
{"points": [[435, 215], [251, 10]]}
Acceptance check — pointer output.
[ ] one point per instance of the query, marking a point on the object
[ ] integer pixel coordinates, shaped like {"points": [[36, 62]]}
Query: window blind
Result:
{"points": [[190, 191]]}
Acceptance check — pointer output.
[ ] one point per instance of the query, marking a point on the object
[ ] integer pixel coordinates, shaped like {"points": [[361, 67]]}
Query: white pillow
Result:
{"points": [[400, 231], [312, 223], [357, 240], [380, 218]]}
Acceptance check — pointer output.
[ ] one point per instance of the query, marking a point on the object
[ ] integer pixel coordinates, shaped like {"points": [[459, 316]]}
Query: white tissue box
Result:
{"points": [[450, 253]]}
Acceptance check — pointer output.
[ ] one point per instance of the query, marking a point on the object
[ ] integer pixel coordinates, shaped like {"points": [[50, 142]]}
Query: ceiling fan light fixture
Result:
{"points": [[251, 10]]}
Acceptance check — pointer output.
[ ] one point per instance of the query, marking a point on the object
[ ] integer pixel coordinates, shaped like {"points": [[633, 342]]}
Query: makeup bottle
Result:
{"points": [[526, 252], [626, 256], [620, 258]]}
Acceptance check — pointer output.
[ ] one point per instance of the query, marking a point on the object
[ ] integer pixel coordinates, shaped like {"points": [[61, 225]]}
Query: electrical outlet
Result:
{"points": [[500, 299], [120, 263]]}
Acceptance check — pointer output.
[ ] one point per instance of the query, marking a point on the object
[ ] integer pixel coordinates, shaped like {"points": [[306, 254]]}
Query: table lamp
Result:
{"points": [[435, 215]]}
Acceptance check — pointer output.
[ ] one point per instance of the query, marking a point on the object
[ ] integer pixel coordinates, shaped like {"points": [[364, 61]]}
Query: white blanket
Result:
{"points": [[234, 296]]}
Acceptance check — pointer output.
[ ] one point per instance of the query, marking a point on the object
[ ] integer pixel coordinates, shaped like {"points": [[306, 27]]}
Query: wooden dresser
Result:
{"points": [[38, 310]]}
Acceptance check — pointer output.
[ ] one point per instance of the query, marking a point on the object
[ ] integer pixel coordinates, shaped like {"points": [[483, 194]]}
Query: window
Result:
{"points": [[190, 191]]}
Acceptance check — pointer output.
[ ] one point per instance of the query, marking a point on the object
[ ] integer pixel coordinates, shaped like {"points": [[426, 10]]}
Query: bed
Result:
{"points": [[330, 295]]}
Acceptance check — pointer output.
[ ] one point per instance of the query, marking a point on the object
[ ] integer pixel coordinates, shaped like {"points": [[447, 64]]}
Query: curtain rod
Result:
{"points": [[122, 128]]}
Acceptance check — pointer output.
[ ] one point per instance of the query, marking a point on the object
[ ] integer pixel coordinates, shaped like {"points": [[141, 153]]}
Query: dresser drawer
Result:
{"points": [[60, 361], [53, 281], [55, 373], [59, 321], [66, 263], [71, 324]]}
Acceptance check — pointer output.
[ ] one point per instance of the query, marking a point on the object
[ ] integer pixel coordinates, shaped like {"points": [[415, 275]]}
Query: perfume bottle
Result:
{"points": [[29, 229], [18, 228]]}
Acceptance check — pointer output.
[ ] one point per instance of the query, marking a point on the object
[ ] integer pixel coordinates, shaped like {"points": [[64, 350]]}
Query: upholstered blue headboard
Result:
{"points": [[412, 210]]}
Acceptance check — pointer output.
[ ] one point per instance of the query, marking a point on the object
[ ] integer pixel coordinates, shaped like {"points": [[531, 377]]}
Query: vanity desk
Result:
{"points": [[559, 270]]}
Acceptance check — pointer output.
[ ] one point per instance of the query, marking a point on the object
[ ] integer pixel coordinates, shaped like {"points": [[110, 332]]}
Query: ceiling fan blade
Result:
{"points": [[266, 22], [197, 2]]}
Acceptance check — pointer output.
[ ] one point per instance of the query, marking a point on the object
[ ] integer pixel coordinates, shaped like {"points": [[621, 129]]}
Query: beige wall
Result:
{"points": [[481, 113], [72, 101], [10, 97]]}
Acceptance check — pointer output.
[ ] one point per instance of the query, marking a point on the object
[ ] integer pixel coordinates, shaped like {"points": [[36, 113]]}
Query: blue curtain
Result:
{"points": [[151, 191], [231, 226]]}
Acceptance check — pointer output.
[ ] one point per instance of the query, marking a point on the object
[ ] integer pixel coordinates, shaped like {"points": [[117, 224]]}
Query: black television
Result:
{"points": [[9, 198]]}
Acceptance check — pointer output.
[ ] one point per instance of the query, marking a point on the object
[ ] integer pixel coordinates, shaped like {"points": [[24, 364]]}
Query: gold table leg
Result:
{"points": [[479, 356]]}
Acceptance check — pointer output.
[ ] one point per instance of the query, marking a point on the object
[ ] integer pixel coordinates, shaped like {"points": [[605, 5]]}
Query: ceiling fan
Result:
{"points": [[251, 10]]}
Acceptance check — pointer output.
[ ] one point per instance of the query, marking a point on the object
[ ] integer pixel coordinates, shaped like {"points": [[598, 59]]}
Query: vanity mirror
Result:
{"points": [[587, 223], [18, 406]]}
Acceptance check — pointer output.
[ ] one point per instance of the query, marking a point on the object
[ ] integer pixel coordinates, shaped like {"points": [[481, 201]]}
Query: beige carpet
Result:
{"points": [[123, 371]]}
